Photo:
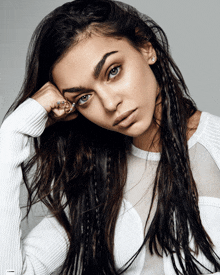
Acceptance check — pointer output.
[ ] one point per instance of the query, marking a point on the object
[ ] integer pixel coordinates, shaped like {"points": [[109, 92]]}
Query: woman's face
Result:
{"points": [[111, 83]]}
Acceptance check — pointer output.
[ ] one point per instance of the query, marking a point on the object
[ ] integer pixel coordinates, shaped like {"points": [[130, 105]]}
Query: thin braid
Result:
{"points": [[108, 179], [108, 184], [92, 223], [97, 214], [176, 119], [87, 232], [174, 182], [181, 135], [188, 194]]}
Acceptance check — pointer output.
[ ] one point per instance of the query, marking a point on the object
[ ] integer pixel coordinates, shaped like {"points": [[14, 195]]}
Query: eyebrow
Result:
{"points": [[96, 74], [101, 63]]}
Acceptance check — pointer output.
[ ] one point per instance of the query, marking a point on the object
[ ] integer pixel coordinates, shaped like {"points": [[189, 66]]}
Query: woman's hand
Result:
{"points": [[55, 104]]}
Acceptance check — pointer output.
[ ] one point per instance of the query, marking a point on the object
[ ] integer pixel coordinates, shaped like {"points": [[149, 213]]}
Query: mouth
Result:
{"points": [[125, 119]]}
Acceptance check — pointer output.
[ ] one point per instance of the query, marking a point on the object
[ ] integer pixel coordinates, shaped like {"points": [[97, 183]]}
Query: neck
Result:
{"points": [[150, 139]]}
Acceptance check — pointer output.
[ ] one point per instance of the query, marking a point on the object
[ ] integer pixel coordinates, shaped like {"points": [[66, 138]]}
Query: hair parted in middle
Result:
{"points": [[82, 167]]}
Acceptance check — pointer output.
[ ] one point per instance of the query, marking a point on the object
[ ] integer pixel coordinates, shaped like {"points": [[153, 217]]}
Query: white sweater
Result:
{"points": [[45, 247]]}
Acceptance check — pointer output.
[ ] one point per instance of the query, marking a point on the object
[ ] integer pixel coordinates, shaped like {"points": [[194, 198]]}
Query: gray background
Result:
{"points": [[192, 27]]}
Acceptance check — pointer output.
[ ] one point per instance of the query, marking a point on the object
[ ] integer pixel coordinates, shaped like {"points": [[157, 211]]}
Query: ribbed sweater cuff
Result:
{"points": [[29, 118]]}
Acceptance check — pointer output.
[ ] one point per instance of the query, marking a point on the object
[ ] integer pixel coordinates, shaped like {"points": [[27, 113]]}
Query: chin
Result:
{"points": [[134, 130]]}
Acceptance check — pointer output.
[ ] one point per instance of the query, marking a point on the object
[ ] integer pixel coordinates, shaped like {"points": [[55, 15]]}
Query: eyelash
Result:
{"points": [[78, 101], [88, 96], [114, 75]]}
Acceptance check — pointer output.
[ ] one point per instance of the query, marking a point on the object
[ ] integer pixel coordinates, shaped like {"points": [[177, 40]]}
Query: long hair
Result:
{"points": [[81, 168]]}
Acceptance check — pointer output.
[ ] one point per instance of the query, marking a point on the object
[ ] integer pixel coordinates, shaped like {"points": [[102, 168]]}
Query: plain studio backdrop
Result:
{"points": [[192, 28]]}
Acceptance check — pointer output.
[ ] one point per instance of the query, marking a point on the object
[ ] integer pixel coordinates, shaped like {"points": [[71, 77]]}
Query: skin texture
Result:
{"points": [[112, 85], [125, 83], [48, 96]]}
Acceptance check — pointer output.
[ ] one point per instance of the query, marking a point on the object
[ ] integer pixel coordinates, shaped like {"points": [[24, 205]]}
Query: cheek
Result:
{"points": [[94, 114], [142, 79]]}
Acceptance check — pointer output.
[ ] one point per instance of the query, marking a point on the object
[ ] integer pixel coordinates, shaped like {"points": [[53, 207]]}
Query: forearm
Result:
{"points": [[27, 121]]}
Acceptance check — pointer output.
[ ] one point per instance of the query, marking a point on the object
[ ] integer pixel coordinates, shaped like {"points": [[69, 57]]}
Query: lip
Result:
{"points": [[124, 119]]}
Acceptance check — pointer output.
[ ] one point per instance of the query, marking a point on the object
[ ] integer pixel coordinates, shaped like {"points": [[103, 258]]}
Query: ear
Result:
{"points": [[149, 53]]}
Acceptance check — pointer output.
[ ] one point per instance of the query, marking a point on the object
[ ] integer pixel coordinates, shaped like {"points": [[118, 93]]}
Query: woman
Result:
{"points": [[121, 152]]}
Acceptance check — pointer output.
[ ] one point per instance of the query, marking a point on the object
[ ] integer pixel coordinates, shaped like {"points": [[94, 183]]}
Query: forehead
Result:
{"points": [[80, 60], [91, 50]]}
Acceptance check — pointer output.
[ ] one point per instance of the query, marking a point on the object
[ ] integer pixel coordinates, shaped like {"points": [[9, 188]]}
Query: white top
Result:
{"points": [[45, 247]]}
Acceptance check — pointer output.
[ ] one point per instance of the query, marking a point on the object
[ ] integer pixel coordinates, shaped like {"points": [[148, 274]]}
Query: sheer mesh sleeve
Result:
{"points": [[205, 171]]}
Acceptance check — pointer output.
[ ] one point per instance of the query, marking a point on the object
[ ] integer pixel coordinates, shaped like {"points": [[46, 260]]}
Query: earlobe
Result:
{"points": [[152, 60], [149, 53]]}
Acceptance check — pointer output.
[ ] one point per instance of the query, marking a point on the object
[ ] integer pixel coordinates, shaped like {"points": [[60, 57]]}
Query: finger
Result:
{"points": [[62, 109], [58, 108], [69, 107], [71, 112], [59, 104]]}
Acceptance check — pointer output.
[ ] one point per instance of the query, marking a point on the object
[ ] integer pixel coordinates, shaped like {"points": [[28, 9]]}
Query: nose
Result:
{"points": [[110, 99]]}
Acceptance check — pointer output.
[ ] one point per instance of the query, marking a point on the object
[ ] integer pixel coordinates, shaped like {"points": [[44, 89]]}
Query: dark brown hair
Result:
{"points": [[82, 168]]}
